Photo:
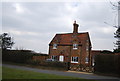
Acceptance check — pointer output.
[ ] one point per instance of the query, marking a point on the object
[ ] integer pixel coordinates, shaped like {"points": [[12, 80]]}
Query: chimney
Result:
{"points": [[75, 30]]}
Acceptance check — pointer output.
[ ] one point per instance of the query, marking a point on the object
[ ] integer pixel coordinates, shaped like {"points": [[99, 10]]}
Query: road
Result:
{"points": [[66, 73]]}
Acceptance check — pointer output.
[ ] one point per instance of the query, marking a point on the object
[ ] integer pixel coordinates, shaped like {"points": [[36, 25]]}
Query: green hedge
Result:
{"points": [[107, 64], [24, 56], [56, 64], [17, 56]]}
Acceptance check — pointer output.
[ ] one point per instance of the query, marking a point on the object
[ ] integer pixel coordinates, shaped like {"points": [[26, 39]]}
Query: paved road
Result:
{"points": [[67, 73]]}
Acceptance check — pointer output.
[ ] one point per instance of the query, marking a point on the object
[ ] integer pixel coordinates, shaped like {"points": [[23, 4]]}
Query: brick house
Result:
{"points": [[74, 48]]}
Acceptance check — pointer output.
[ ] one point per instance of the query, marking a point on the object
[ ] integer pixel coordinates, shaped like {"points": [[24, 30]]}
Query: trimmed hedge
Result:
{"points": [[26, 57], [107, 64], [49, 64], [18, 56]]}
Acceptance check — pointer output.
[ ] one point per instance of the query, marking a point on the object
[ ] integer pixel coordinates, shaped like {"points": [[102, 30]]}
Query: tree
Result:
{"points": [[6, 41], [117, 33]]}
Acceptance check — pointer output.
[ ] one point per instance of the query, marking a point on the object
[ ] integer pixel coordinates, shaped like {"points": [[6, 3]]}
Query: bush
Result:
{"points": [[54, 64]]}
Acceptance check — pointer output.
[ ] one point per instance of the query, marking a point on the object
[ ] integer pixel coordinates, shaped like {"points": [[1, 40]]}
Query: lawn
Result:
{"points": [[10, 73], [0, 72]]}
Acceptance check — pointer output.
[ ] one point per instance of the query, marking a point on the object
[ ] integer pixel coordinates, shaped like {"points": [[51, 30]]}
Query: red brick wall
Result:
{"points": [[40, 58]]}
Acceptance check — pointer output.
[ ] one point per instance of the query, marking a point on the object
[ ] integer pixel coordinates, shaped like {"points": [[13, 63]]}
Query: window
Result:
{"points": [[55, 58], [54, 46], [75, 46], [74, 59], [87, 48], [61, 58], [86, 60]]}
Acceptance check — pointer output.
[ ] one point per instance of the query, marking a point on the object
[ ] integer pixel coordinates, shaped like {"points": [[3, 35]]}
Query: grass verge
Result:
{"points": [[10, 73], [35, 66]]}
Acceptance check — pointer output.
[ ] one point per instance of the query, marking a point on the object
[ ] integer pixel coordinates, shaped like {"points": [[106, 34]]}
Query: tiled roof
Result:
{"points": [[68, 38]]}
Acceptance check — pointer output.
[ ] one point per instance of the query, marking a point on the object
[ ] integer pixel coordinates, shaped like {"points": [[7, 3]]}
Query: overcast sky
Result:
{"points": [[34, 24]]}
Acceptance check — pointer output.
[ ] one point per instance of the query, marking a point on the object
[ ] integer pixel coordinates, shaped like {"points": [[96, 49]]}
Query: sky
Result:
{"points": [[34, 24]]}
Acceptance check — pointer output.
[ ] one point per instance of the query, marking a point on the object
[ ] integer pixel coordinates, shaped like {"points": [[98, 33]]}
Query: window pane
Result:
{"points": [[75, 46], [74, 59], [86, 60], [54, 46]]}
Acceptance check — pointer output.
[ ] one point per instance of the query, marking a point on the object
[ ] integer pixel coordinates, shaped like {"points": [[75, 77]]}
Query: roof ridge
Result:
{"points": [[71, 33]]}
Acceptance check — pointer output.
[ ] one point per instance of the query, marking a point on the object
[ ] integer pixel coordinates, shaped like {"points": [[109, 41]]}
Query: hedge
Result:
{"points": [[107, 64], [17, 56], [26, 57]]}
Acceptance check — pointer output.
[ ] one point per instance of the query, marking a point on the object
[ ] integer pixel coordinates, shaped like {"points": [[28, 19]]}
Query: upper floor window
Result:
{"points": [[86, 60], [75, 46], [54, 46], [87, 48]]}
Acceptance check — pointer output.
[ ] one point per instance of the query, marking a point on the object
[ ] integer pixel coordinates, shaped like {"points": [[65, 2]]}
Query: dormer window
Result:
{"points": [[75, 46], [54, 46]]}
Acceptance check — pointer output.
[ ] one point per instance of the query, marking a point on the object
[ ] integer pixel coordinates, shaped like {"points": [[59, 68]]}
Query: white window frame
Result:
{"points": [[73, 59], [61, 58], [54, 46], [75, 46]]}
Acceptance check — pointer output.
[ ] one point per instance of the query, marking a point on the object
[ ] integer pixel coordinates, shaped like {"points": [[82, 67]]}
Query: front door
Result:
{"points": [[61, 58]]}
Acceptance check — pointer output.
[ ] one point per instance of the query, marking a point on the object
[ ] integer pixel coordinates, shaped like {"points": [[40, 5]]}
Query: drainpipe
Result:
{"points": [[80, 57], [69, 60]]}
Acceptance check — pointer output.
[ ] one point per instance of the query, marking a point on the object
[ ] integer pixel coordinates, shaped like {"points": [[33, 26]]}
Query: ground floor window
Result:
{"points": [[74, 59], [61, 58], [54, 57]]}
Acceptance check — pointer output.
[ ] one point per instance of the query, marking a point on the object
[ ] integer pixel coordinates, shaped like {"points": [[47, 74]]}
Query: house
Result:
{"points": [[74, 48]]}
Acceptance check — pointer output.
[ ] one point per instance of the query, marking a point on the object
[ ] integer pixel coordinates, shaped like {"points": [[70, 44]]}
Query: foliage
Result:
{"points": [[56, 64], [106, 52], [107, 64], [17, 56], [6, 41], [117, 35], [116, 50]]}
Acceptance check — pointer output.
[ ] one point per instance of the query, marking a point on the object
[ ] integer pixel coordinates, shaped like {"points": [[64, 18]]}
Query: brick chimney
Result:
{"points": [[75, 29]]}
